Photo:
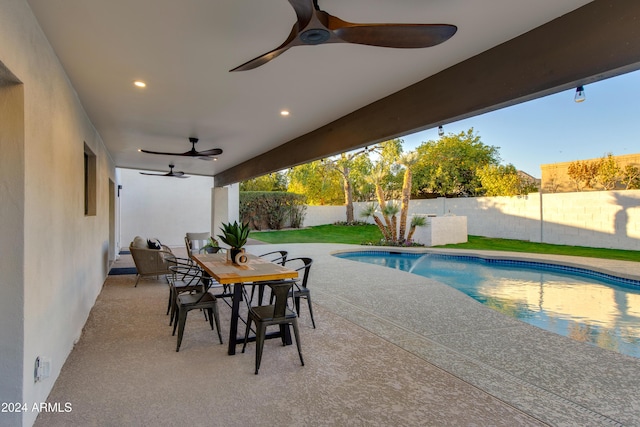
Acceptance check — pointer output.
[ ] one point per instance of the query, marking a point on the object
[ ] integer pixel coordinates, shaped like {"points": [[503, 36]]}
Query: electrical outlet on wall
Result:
{"points": [[42, 368]]}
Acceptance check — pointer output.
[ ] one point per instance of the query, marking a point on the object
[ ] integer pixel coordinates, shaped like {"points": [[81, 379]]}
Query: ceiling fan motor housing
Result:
{"points": [[315, 36]]}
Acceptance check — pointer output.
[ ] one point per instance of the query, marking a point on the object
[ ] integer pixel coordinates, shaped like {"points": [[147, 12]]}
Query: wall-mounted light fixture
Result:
{"points": [[440, 131], [580, 96]]}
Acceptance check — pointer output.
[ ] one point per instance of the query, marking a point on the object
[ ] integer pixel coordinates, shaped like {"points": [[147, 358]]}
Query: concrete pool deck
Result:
{"points": [[553, 378], [391, 348]]}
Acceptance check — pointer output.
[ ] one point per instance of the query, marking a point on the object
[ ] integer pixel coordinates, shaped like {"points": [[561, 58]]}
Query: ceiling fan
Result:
{"points": [[171, 173], [204, 155], [315, 26]]}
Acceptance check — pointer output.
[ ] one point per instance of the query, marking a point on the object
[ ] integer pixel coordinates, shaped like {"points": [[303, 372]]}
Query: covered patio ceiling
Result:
{"points": [[340, 96]]}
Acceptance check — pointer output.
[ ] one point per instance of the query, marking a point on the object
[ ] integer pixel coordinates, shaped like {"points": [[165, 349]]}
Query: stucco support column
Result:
{"points": [[225, 203]]}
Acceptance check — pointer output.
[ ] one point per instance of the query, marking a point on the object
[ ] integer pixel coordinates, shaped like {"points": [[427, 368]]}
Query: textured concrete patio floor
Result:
{"points": [[391, 348]]}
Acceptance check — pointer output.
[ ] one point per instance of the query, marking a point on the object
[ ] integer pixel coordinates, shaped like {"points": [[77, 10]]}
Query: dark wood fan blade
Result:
{"points": [[292, 40], [188, 153], [396, 35], [212, 152], [260, 60], [304, 11], [170, 174], [315, 26]]}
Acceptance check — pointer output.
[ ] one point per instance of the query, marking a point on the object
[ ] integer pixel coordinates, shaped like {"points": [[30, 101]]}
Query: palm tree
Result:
{"points": [[407, 160], [370, 211], [377, 176], [416, 221], [391, 211]]}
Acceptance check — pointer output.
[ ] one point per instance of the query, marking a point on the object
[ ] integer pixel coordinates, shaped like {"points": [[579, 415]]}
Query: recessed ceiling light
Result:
{"points": [[284, 113], [140, 83]]}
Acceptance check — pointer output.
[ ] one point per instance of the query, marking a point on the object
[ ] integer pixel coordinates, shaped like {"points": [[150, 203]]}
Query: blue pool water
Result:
{"points": [[584, 305]]}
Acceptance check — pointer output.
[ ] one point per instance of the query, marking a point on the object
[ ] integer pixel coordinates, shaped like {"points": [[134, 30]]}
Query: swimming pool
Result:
{"points": [[584, 305]]}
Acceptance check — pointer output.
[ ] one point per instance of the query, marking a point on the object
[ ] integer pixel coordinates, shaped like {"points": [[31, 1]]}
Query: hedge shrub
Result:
{"points": [[272, 210]]}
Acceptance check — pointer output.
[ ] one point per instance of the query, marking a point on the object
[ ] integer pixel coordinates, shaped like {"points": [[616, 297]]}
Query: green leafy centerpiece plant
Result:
{"points": [[212, 246], [235, 235]]}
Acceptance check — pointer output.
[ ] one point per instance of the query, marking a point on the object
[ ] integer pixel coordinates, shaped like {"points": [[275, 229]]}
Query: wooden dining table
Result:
{"points": [[225, 272]]}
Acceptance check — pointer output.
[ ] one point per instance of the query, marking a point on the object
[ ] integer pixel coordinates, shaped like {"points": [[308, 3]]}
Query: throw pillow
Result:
{"points": [[154, 244], [139, 242]]}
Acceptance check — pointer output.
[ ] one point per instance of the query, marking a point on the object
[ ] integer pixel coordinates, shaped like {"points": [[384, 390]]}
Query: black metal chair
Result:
{"points": [[300, 289], [199, 300], [273, 314], [184, 278], [278, 257]]}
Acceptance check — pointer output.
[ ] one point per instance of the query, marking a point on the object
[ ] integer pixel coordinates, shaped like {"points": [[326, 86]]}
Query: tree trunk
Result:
{"points": [[348, 198], [412, 230], [404, 208], [394, 227], [382, 204], [383, 229]]}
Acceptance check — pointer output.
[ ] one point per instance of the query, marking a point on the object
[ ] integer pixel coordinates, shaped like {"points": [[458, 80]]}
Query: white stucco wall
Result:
{"points": [[442, 230], [59, 256], [319, 215], [503, 217], [608, 219], [11, 234], [162, 207], [604, 219]]}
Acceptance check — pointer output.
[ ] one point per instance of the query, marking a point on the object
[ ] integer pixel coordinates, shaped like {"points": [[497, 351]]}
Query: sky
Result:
{"points": [[555, 128]]}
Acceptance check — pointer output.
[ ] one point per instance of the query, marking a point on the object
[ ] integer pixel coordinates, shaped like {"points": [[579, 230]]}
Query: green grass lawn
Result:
{"points": [[353, 234], [488, 243], [366, 234]]}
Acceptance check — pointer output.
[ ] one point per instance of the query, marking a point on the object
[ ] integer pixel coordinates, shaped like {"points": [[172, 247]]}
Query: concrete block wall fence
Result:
{"points": [[605, 219]]}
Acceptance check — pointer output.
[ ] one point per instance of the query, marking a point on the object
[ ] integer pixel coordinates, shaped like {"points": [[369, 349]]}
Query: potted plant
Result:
{"points": [[212, 246], [235, 235]]}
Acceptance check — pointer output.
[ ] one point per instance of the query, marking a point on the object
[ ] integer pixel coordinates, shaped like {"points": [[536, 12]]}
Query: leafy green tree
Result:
{"points": [[583, 173], [352, 169], [448, 167], [320, 183], [631, 177], [270, 182], [609, 172], [389, 154], [553, 184], [502, 180], [363, 190]]}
